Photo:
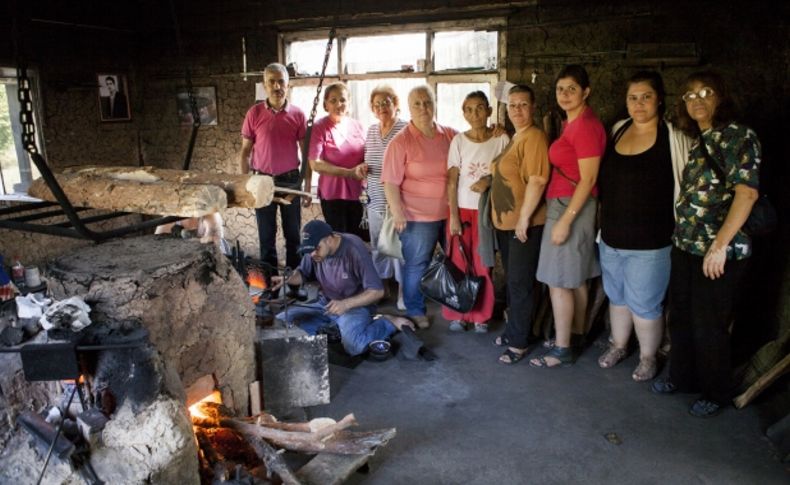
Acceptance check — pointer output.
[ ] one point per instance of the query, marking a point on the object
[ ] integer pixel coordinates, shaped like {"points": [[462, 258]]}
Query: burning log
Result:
{"points": [[247, 190]]}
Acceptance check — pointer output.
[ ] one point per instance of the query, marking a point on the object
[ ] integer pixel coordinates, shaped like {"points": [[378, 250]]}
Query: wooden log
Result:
{"points": [[343, 442], [330, 468], [763, 382], [274, 462], [157, 198], [242, 190]]}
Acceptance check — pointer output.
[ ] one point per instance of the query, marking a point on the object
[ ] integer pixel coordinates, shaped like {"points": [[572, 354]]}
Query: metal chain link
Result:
{"points": [[321, 78], [26, 109]]}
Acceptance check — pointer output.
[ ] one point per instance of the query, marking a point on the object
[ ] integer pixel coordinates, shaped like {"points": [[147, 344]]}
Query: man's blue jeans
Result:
{"points": [[418, 242], [357, 327]]}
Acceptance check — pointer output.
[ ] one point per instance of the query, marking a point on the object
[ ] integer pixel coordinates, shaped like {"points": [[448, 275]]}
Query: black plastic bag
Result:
{"points": [[447, 285]]}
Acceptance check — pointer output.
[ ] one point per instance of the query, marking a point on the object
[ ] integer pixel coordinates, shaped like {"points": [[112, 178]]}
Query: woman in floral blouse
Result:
{"points": [[710, 248]]}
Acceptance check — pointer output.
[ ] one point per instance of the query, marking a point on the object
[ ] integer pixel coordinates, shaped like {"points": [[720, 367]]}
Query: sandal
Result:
{"points": [[563, 354], [611, 357], [509, 356], [549, 343], [646, 370], [501, 341]]}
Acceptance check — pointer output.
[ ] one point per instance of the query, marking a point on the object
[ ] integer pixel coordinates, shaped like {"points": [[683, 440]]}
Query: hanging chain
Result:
{"points": [[321, 77], [26, 109]]}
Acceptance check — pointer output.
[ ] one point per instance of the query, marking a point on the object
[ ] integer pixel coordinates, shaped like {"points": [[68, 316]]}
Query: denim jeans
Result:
{"points": [[291, 216], [357, 327], [418, 242]]}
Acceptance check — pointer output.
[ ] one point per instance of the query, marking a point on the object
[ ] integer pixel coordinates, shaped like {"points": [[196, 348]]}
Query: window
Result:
{"points": [[455, 58], [16, 169]]}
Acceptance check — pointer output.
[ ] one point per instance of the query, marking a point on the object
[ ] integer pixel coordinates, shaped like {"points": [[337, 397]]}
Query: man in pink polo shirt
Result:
{"points": [[272, 132]]}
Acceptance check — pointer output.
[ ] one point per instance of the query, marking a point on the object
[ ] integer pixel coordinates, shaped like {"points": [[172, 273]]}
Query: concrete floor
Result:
{"points": [[465, 418]]}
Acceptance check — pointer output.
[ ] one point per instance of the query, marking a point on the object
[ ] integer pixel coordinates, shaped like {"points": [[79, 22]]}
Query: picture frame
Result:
{"points": [[113, 96], [206, 99]]}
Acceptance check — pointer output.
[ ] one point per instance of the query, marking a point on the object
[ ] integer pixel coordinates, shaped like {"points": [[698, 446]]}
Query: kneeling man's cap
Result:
{"points": [[312, 233]]}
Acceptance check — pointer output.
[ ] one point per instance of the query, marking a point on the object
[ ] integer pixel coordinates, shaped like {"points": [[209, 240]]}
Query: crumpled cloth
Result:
{"points": [[71, 313], [31, 305]]}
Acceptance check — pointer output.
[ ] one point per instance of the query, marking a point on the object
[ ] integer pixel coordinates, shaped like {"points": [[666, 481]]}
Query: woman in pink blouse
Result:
{"points": [[415, 180], [337, 153]]}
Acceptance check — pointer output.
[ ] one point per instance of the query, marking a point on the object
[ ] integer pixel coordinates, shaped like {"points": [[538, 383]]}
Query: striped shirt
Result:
{"points": [[374, 157]]}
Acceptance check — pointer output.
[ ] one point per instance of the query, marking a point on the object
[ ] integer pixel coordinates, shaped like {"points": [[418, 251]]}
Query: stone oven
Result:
{"points": [[187, 315]]}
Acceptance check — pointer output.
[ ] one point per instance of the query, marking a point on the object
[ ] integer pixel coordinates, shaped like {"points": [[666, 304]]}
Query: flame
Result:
{"points": [[194, 410], [256, 280]]}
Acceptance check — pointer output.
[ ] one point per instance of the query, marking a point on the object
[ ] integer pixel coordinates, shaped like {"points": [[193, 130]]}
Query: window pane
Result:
{"points": [[450, 100], [308, 56], [360, 97], [471, 50], [383, 53]]}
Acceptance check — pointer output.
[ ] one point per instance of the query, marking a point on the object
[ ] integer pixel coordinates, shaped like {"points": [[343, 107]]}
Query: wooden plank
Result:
{"points": [[763, 382], [330, 468]]}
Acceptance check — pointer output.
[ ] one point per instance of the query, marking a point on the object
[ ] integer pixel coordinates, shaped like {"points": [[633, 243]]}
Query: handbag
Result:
{"points": [[762, 219], [447, 285], [389, 240]]}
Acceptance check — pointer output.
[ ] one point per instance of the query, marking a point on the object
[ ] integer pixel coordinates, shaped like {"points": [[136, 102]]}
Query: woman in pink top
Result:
{"points": [[415, 179], [567, 253], [337, 153]]}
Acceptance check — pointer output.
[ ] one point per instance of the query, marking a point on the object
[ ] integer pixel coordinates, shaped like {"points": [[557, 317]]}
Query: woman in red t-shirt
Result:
{"points": [[567, 254]]}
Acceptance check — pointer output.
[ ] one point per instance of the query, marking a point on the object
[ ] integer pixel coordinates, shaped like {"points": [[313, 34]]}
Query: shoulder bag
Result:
{"points": [[762, 220], [389, 241]]}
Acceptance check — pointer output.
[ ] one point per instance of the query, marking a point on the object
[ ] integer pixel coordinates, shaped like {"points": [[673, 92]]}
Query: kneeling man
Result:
{"points": [[350, 288]]}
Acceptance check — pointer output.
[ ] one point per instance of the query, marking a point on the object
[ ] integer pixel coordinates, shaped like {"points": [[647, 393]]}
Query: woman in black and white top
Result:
{"points": [[638, 185], [384, 104]]}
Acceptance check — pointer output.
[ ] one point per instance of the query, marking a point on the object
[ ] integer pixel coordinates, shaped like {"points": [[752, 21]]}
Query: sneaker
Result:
{"points": [[702, 408], [481, 327], [458, 326], [663, 386]]}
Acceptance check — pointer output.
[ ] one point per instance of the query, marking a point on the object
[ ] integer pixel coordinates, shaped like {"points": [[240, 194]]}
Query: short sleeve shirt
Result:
{"points": [[526, 156], [473, 161], [343, 145], [584, 137], [275, 136], [705, 200], [375, 144], [348, 272], [418, 165]]}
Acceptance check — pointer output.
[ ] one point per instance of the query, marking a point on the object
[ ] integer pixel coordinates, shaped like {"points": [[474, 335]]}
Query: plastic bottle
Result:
{"points": [[18, 273]]}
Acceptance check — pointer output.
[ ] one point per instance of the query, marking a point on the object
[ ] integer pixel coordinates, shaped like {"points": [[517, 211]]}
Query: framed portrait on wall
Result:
{"points": [[206, 100], [113, 97]]}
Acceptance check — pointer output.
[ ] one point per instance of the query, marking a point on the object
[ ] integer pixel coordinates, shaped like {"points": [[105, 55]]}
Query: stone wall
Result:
{"points": [[744, 40]]}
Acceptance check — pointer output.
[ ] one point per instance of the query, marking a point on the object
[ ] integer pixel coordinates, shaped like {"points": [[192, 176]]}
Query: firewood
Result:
{"points": [[763, 382], [342, 442], [274, 462], [243, 190], [158, 198]]}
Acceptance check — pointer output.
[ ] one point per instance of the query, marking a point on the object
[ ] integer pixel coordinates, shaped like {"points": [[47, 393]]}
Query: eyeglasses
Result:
{"points": [[382, 104], [703, 93]]}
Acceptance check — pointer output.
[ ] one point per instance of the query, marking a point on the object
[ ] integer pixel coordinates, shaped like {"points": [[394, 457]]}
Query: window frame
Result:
{"points": [[26, 169], [432, 77]]}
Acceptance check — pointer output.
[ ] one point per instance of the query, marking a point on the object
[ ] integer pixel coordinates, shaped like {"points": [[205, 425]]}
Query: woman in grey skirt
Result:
{"points": [[567, 254]]}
